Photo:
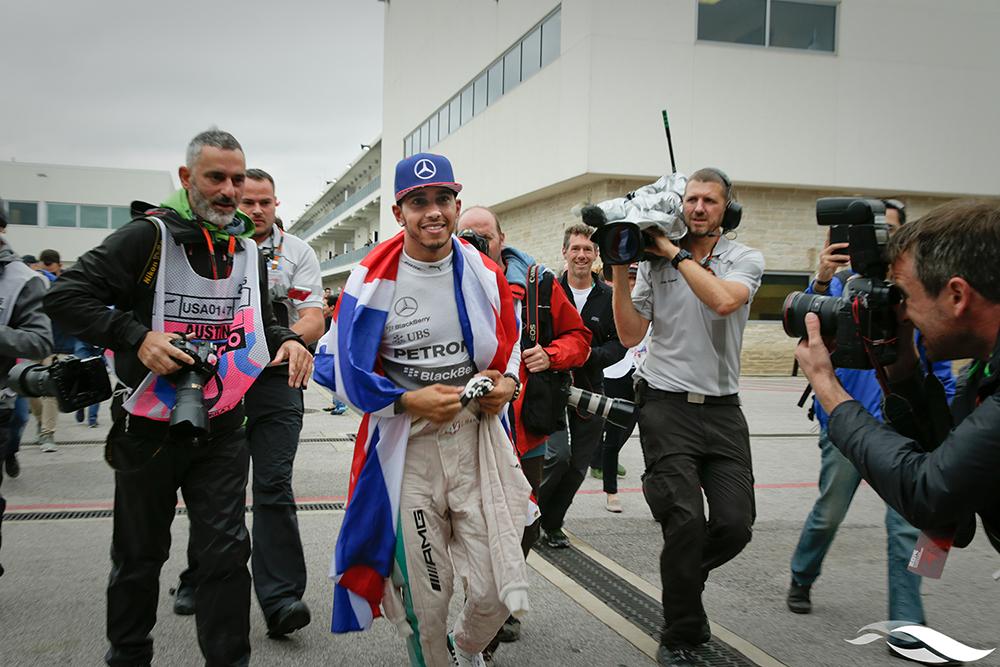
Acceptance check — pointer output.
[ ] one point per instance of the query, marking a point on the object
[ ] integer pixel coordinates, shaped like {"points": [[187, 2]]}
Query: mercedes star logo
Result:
{"points": [[424, 169], [406, 306]]}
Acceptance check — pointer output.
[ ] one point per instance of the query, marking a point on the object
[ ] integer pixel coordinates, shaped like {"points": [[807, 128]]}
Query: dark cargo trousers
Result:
{"points": [[566, 461], [212, 477], [274, 420], [688, 448]]}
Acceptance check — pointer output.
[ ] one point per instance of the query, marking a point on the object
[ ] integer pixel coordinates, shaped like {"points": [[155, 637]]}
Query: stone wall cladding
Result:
{"points": [[780, 222]]}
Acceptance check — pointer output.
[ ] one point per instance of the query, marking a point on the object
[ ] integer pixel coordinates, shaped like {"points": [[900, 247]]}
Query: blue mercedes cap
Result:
{"points": [[424, 170]]}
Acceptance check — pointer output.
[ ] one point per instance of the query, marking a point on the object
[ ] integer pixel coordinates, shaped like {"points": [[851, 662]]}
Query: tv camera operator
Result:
{"points": [[24, 330], [696, 296], [192, 324], [937, 467]]}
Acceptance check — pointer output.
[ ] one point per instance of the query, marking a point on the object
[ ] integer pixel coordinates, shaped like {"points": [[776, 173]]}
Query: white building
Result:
{"points": [[542, 105], [72, 209], [343, 224]]}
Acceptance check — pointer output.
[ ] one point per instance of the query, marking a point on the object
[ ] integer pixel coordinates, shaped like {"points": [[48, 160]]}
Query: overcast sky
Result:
{"points": [[127, 83]]}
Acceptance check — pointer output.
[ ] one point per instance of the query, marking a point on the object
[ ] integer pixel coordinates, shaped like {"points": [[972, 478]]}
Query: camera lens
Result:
{"points": [[621, 243], [799, 304], [189, 418]]}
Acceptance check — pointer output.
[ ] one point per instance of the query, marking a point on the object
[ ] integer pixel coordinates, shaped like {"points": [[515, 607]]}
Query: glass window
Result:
{"points": [[550, 38], [770, 297], [120, 215], [22, 213], [425, 136], [94, 217], [735, 21], [800, 25], [495, 82], [531, 53], [443, 121], [512, 69], [455, 113], [408, 146], [467, 104], [434, 130], [62, 215], [479, 95]]}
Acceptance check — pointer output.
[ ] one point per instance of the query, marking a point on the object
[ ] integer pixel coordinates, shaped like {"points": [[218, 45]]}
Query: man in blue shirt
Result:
{"points": [[839, 479]]}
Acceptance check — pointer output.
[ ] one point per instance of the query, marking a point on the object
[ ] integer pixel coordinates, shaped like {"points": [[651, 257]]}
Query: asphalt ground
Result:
{"points": [[52, 597]]}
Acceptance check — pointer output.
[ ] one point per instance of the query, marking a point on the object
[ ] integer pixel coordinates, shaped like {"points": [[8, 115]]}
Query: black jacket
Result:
{"points": [[942, 488], [121, 272], [605, 348]]}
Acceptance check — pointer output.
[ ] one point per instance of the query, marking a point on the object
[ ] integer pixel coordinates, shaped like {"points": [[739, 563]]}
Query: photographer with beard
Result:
{"points": [[190, 268], [692, 431], [938, 479]]}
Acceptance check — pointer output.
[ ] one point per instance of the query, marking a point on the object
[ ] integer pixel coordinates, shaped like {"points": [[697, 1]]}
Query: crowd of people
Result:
{"points": [[458, 348]]}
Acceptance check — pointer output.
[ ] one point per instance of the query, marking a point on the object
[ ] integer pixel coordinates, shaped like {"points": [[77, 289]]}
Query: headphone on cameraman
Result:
{"points": [[734, 210]]}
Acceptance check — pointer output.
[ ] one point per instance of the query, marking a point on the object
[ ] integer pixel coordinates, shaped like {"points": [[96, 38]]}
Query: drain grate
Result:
{"points": [[61, 515], [643, 611]]}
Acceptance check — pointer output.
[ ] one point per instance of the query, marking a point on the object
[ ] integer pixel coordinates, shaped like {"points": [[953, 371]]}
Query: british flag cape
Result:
{"points": [[347, 363]]}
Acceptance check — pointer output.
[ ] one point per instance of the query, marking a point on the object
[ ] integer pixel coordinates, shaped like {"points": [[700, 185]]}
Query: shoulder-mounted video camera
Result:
{"points": [[862, 321]]}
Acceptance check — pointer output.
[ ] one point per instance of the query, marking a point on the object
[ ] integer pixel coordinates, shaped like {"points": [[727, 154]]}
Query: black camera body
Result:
{"points": [[476, 241], [189, 418], [75, 383], [862, 321]]}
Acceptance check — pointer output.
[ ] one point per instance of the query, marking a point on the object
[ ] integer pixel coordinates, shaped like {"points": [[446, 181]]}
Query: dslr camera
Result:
{"points": [[189, 418], [75, 383], [476, 241], [862, 322], [625, 225]]}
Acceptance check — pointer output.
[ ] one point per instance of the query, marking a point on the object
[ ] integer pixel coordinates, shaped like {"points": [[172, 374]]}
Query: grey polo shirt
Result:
{"points": [[691, 347]]}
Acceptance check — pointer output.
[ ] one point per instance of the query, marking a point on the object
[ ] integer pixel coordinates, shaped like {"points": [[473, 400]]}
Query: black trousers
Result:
{"points": [[6, 414], [615, 436], [213, 478], [532, 469], [688, 448], [566, 462], [274, 421]]}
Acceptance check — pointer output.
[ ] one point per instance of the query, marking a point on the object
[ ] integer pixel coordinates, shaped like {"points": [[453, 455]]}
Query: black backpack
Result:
{"points": [[543, 409]]}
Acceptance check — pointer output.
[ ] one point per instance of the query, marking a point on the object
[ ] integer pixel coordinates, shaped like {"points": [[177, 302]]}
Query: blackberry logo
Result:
{"points": [[432, 571]]}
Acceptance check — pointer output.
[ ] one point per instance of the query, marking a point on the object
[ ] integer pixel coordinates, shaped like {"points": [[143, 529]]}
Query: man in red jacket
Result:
{"points": [[568, 349]]}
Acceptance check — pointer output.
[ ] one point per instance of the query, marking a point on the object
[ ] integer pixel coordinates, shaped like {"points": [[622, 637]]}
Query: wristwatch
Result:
{"points": [[680, 257], [517, 385]]}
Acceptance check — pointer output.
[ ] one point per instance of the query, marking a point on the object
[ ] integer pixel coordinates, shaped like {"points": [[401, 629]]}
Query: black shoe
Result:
{"points": [[798, 598], [12, 467], [183, 599], [511, 630], [556, 539], [293, 616], [675, 657]]}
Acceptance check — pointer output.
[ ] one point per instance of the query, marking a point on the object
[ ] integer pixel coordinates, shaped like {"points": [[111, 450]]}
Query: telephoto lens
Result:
{"points": [[799, 304], [616, 410], [189, 418]]}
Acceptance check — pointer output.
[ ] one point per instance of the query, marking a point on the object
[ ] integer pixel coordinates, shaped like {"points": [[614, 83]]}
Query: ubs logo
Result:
{"points": [[406, 306]]}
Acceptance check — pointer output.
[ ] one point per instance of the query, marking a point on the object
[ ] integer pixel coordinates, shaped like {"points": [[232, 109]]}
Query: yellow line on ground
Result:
{"points": [[588, 601], [752, 652]]}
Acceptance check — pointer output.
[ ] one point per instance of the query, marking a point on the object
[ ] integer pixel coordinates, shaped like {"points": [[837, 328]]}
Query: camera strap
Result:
{"points": [[532, 305]]}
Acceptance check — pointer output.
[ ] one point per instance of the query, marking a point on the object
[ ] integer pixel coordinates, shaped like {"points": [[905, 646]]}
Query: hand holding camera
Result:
{"points": [[159, 355], [831, 260]]}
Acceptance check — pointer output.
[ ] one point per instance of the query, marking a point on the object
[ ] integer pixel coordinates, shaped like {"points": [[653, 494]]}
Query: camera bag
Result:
{"points": [[543, 407]]}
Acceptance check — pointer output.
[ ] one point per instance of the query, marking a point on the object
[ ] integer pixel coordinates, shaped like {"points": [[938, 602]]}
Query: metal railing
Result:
{"points": [[346, 258], [358, 195]]}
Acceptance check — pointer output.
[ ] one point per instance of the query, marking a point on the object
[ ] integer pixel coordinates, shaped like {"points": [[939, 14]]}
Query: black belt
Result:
{"points": [[691, 397]]}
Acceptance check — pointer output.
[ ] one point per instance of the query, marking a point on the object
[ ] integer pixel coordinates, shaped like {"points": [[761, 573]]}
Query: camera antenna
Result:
{"points": [[670, 143]]}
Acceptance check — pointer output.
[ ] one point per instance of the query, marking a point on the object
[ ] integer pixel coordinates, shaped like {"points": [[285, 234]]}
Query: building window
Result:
{"points": [[22, 212], [774, 287], [536, 49], [61, 215], [94, 217], [120, 216], [783, 23]]}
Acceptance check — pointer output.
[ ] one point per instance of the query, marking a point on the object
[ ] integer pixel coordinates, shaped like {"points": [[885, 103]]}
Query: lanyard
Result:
{"points": [[276, 254], [211, 254]]}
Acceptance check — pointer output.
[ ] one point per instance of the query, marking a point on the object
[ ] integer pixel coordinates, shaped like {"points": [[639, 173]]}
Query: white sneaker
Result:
{"points": [[613, 504], [460, 658], [47, 443]]}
